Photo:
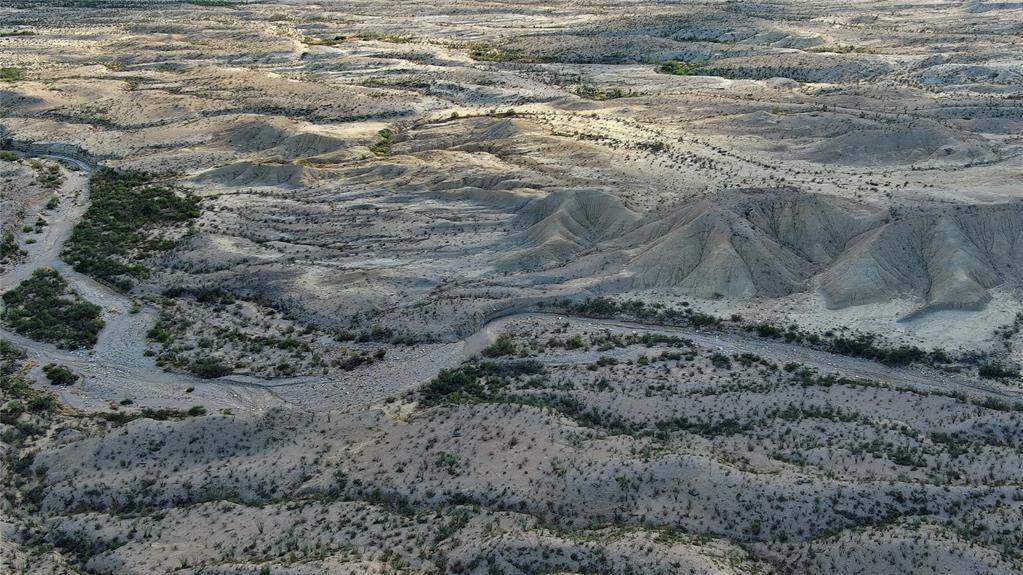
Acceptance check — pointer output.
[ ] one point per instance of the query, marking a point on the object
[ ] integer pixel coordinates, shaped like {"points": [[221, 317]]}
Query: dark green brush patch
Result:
{"points": [[475, 382], [11, 74], [382, 147], [677, 68], [115, 235], [44, 308], [59, 375]]}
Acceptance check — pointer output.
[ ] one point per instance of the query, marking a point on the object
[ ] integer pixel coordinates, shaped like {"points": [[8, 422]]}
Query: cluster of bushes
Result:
{"points": [[655, 146], [36, 404], [205, 294], [354, 360], [11, 357], [384, 37], [996, 370], [858, 345], [241, 349], [483, 52], [10, 74], [9, 249], [121, 417], [606, 307], [59, 375], [166, 330], [839, 49], [313, 41], [208, 367], [17, 396], [593, 93], [865, 346], [116, 231], [475, 382], [382, 147], [677, 68], [47, 174], [504, 345], [44, 308]]}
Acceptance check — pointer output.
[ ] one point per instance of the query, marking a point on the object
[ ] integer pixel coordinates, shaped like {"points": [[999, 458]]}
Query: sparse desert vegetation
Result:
{"points": [[506, 288]]}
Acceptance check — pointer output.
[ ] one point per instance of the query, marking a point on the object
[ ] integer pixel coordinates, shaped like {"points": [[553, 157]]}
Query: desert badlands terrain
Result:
{"points": [[707, 287]]}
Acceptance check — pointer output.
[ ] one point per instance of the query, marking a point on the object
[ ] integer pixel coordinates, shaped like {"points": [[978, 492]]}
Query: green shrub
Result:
{"points": [[120, 417], [677, 68], [11, 74], [44, 308], [9, 249], [483, 52], [42, 404], [59, 375], [593, 93], [382, 147], [505, 345], [996, 371], [721, 361], [474, 382], [209, 368]]}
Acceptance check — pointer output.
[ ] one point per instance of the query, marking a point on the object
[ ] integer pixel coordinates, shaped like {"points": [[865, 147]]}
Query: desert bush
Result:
{"points": [[505, 345], [483, 52], [59, 375], [474, 382], [593, 93], [11, 74], [677, 68], [44, 308], [9, 250], [209, 368], [382, 147], [996, 370]]}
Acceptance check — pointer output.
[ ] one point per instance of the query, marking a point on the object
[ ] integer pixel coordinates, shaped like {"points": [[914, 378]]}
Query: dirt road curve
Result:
{"points": [[118, 368], [781, 352]]}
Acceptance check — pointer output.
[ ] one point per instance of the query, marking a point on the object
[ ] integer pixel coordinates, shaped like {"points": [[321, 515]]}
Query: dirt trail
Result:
{"points": [[781, 352], [117, 368]]}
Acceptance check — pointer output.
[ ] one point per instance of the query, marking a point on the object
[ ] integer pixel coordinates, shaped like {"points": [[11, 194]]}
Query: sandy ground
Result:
{"points": [[389, 191]]}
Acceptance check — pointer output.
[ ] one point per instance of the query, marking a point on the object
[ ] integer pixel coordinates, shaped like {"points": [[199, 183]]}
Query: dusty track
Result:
{"points": [[117, 368], [780, 353]]}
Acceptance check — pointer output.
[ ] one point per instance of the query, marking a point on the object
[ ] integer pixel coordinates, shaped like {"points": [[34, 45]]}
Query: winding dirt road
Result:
{"points": [[777, 351], [117, 368]]}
